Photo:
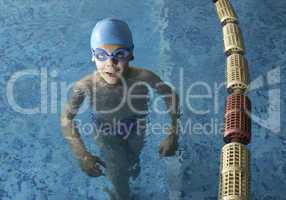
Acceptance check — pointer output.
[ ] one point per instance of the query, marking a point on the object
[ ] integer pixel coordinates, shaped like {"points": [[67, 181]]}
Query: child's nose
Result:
{"points": [[112, 61]]}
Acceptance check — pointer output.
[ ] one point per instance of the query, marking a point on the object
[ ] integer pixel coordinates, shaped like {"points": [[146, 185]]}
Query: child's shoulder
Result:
{"points": [[86, 81]]}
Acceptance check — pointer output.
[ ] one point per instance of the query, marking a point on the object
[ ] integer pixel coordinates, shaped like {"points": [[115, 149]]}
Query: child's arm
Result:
{"points": [[69, 129], [89, 163], [171, 100], [170, 96], [169, 145]]}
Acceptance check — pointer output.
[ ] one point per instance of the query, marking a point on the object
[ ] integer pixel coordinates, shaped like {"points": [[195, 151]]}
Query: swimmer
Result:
{"points": [[118, 93]]}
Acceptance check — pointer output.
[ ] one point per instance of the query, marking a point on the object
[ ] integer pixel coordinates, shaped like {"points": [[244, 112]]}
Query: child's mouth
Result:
{"points": [[113, 75]]}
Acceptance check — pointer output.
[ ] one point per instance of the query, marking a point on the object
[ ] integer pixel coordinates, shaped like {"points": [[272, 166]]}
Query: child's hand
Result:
{"points": [[169, 145], [91, 165]]}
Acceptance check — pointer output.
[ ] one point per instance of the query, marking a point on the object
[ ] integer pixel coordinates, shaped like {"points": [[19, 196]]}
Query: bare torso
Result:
{"points": [[120, 101]]}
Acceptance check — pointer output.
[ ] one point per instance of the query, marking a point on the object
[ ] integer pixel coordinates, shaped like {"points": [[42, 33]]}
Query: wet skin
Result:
{"points": [[111, 89]]}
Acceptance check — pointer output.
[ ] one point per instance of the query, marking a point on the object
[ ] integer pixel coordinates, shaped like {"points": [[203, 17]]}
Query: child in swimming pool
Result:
{"points": [[118, 93]]}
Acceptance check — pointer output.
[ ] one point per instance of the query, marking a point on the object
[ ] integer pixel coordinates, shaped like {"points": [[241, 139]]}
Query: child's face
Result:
{"points": [[111, 69]]}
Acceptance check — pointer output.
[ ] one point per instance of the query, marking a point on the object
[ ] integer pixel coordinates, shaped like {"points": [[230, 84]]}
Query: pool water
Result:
{"points": [[46, 44]]}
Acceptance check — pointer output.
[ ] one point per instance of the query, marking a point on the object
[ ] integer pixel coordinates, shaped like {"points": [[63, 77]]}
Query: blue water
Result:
{"points": [[170, 37]]}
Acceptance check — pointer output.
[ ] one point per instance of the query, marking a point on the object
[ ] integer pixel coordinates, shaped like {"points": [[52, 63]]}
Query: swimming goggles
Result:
{"points": [[120, 54]]}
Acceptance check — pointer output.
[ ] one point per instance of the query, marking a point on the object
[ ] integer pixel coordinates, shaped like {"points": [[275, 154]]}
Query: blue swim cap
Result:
{"points": [[111, 31]]}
